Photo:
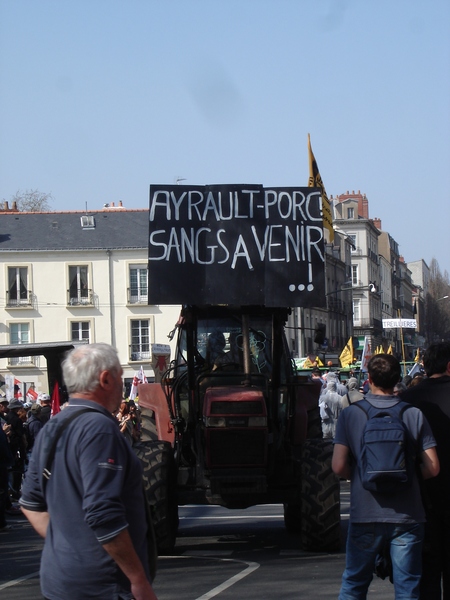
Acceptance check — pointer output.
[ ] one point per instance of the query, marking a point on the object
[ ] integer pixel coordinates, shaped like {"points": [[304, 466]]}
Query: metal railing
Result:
{"points": [[14, 361], [19, 302], [139, 352], [80, 298], [137, 295]]}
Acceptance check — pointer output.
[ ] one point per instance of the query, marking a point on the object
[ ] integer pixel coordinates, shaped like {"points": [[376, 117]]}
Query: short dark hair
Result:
{"points": [[384, 370], [436, 358]]}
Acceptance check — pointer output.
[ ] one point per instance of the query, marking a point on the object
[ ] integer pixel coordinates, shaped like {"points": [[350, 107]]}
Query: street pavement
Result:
{"points": [[229, 555]]}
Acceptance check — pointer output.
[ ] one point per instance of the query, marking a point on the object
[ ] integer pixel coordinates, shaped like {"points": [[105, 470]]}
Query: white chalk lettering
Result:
{"points": [[177, 204], [194, 205], [210, 205], [261, 248], [310, 230], [222, 245], [238, 253], [154, 243], [165, 203], [273, 244]]}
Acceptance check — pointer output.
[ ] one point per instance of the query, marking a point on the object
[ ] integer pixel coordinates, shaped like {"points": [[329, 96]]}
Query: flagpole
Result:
{"points": [[403, 345]]}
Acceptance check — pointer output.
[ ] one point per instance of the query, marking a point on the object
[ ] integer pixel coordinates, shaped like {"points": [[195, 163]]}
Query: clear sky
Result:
{"points": [[101, 98]]}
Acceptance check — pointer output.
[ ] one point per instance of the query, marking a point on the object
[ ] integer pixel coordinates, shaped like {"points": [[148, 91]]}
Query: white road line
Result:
{"points": [[15, 581], [232, 517], [251, 566]]}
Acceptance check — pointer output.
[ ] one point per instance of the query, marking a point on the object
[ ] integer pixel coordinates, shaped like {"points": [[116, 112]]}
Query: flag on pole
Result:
{"points": [[312, 361], [315, 180], [366, 354], [56, 406], [139, 377], [416, 369], [346, 356], [31, 395]]}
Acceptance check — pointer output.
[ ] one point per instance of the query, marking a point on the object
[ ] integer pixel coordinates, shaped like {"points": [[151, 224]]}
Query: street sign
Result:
{"points": [[397, 323]]}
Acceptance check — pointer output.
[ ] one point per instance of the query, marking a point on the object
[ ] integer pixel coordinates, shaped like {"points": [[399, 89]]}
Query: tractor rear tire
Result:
{"points": [[159, 475], [317, 517]]}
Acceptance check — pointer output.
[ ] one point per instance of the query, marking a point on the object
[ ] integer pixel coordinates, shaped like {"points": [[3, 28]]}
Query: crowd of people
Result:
{"points": [[20, 425], [410, 527]]}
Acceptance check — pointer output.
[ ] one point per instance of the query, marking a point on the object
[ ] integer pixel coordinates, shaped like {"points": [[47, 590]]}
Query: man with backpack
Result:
{"points": [[381, 444]]}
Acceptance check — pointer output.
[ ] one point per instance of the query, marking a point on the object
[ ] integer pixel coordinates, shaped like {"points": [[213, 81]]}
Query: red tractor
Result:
{"points": [[233, 425]]}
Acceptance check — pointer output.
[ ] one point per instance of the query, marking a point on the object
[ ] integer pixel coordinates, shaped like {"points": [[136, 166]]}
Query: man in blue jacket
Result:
{"points": [[91, 512]]}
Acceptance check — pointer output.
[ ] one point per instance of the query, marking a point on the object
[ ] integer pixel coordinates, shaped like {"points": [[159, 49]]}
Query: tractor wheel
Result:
{"points": [[149, 432], [317, 517], [314, 424], [159, 476]]}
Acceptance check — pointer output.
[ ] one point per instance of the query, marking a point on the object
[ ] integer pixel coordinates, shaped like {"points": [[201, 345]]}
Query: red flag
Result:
{"points": [[31, 395], [56, 408]]}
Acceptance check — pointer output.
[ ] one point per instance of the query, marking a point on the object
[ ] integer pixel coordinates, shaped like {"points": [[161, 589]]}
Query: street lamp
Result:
{"points": [[443, 298]]}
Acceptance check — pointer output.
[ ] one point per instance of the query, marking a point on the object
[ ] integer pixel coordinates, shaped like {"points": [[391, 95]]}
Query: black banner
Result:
{"points": [[236, 244]]}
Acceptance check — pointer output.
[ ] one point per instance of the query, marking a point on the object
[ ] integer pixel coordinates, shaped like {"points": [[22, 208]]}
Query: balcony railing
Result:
{"points": [[137, 295], [12, 302], [336, 305], [140, 352], [80, 298], [14, 361]]}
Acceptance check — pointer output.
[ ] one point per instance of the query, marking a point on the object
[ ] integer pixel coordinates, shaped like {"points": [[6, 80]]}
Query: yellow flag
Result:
{"points": [[346, 356], [312, 361], [417, 357], [315, 180]]}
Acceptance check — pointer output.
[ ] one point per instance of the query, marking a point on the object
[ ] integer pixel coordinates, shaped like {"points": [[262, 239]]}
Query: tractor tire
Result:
{"points": [[314, 424], [149, 432], [317, 517], [159, 475]]}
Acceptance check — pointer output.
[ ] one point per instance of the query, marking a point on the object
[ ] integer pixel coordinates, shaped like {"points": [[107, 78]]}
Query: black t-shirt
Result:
{"points": [[432, 396]]}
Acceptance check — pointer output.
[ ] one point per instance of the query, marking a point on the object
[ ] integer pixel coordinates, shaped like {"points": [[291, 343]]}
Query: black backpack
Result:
{"points": [[387, 450]]}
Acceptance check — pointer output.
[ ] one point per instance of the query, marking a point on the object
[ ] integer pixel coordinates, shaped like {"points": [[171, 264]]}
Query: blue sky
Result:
{"points": [[101, 98]]}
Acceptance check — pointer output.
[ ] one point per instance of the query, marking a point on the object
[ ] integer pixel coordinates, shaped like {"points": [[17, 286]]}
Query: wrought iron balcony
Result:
{"points": [[137, 295], [80, 297], [25, 301], [139, 352]]}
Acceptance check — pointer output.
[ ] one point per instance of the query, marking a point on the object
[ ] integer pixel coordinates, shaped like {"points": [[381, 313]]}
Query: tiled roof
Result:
{"points": [[114, 229]]}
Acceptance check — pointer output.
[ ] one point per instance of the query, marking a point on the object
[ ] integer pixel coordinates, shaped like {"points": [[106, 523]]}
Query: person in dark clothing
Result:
{"points": [[432, 396], [91, 512], [17, 442], [34, 425], [46, 410], [5, 463]]}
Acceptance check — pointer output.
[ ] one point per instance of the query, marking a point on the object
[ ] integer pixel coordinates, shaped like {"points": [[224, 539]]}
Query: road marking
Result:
{"points": [[19, 580], [201, 553], [251, 566], [233, 517]]}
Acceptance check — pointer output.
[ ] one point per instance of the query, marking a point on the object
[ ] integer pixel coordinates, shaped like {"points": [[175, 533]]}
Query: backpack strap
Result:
{"points": [[51, 450], [369, 406]]}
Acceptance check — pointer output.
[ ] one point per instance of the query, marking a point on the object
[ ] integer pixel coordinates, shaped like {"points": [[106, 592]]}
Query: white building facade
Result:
{"points": [[70, 278]]}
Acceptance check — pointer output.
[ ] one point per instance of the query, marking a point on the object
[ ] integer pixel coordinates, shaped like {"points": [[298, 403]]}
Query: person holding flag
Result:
{"points": [[139, 377]]}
